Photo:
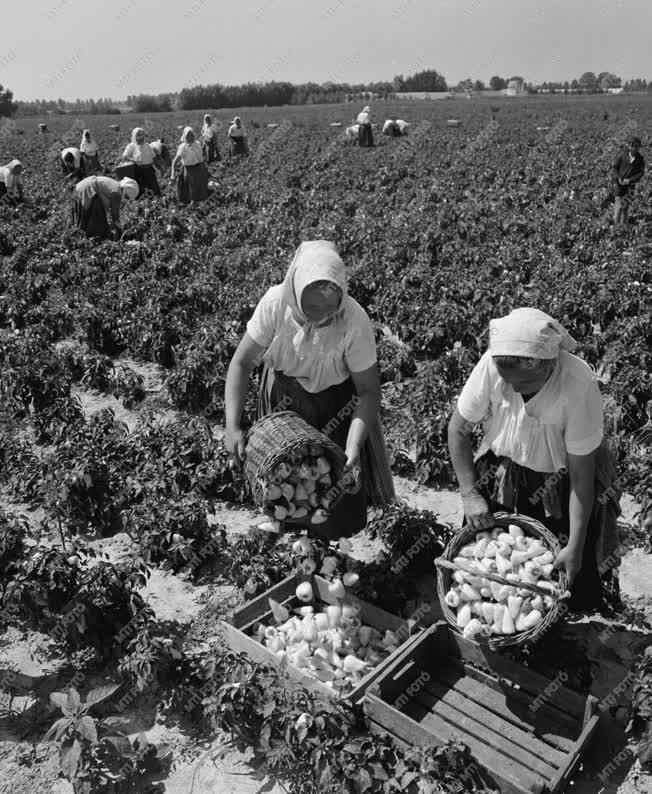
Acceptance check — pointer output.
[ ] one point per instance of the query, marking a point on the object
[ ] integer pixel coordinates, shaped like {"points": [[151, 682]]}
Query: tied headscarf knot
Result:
{"points": [[529, 333]]}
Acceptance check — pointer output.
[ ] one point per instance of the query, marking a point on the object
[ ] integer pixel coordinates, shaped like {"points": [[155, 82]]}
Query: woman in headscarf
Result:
{"points": [[390, 127], [192, 182], [72, 164], [209, 140], [543, 452], [90, 155], [93, 197], [140, 154], [11, 182], [365, 133], [319, 353], [237, 138]]}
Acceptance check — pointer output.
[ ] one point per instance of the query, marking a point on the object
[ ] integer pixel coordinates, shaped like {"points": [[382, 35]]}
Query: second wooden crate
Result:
{"points": [[526, 732], [238, 630]]}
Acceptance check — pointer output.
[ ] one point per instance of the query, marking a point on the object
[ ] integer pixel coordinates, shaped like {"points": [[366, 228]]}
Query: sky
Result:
{"points": [[113, 48]]}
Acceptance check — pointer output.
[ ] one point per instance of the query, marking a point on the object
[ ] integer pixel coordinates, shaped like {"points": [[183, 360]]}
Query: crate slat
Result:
{"points": [[503, 729], [495, 699], [433, 730]]}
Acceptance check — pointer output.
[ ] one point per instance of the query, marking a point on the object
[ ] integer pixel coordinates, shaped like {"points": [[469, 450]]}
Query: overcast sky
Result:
{"points": [[112, 48]]}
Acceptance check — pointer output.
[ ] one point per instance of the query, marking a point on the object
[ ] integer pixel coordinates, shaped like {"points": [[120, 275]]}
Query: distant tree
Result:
{"points": [[7, 106], [428, 80], [588, 81], [566, 85], [516, 77], [479, 86], [608, 80], [575, 84], [497, 83]]}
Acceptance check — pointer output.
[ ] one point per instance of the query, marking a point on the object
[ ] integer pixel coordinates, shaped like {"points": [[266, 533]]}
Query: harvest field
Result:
{"points": [[111, 406]]}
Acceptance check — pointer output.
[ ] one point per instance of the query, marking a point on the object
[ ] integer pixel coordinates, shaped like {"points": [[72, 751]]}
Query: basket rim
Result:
{"points": [[444, 576]]}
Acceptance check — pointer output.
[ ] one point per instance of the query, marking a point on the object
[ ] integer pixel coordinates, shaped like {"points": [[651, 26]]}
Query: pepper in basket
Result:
{"points": [[543, 452], [319, 354]]}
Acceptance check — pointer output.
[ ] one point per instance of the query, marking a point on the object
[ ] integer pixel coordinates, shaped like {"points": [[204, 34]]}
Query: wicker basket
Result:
{"points": [[446, 567], [276, 436]]}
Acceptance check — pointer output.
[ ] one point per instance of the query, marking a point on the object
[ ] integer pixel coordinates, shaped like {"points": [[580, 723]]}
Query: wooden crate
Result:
{"points": [[238, 629], [526, 731], [454, 122]]}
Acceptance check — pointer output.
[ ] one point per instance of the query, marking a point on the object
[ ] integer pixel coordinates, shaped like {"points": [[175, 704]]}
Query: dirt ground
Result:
{"points": [[205, 767]]}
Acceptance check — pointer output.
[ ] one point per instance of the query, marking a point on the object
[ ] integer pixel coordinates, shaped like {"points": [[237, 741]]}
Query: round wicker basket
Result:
{"points": [[446, 567], [272, 439]]}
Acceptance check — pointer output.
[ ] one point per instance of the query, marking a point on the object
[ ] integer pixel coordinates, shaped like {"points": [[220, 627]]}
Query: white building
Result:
{"points": [[515, 88]]}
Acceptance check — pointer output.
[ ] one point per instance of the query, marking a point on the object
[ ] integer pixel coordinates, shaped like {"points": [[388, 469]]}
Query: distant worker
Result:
{"points": [[93, 197], [209, 139], [403, 127], [352, 132], [140, 155], [11, 182], [192, 182], [90, 154], [72, 164], [365, 133], [161, 154], [390, 128], [627, 171], [238, 138]]}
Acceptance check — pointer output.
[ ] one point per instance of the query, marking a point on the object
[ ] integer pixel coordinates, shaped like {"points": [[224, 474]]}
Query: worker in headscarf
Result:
{"points": [[161, 153], [626, 172], [192, 182], [93, 197], [365, 133], [139, 154], [403, 126], [543, 452], [319, 353], [390, 128], [90, 154], [72, 164], [209, 139], [238, 143], [11, 182]]}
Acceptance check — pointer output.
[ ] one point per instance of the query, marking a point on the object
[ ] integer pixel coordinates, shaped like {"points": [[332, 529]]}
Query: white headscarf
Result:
{"points": [[184, 134], [88, 147], [135, 132], [10, 177], [130, 187], [315, 260], [529, 333]]}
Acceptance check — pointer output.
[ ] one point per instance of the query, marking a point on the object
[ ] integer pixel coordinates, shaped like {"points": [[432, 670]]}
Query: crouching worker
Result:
{"points": [[543, 454], [319, 353], [11, 183], [72, 164], [93, 197]]}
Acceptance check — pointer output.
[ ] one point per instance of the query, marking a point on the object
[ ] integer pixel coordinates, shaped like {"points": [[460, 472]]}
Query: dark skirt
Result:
{"points": [[92, 220], [330, 412], [237, 146], [365, 135], [211, 152], [192, 183], [545, 497], [145, 175], [90, 164]]}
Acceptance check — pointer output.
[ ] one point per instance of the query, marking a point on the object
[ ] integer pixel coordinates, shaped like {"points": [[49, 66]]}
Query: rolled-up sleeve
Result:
{"points": [[262, 325], [584, 427], [474, 401], [360, 352]]}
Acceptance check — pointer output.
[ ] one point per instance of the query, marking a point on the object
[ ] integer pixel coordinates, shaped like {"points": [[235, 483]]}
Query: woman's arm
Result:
{"points": [[367, 405], [245, 359], [174, 164], [581, 470], [476, 509]]}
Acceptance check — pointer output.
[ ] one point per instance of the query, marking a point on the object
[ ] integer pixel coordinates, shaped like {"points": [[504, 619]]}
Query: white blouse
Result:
{"points": [[191, 153], [75, 153], [565, 416], [140, 152], [10, 180], [332, 354]]}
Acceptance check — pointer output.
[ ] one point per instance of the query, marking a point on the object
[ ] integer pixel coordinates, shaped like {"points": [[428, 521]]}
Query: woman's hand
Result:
{"points": [[570, 560], [476, 510], [235, 442], [351, 476]]}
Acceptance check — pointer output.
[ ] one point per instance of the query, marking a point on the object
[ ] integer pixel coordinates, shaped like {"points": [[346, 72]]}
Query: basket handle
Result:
{"points": [[494, 577]]}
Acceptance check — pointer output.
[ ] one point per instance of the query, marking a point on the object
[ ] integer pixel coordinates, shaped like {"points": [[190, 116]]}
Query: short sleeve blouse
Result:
{"points": [[191, 154], [565, 416], [140, 152], [332, 352]]}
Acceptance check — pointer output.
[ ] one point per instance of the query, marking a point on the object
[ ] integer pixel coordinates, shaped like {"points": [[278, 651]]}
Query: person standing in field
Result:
{"points": [[192, 182], [238, 138], [626, 172], [140, 155], [72, 164], [93, 197], [90, 154], [209, 140], [365, 133], [543, 452], [319, 352], [11, 182]]}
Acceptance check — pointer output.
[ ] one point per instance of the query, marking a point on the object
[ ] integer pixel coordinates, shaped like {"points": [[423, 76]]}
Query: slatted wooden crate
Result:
{"points": [[526, 731], [239, 625]]}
